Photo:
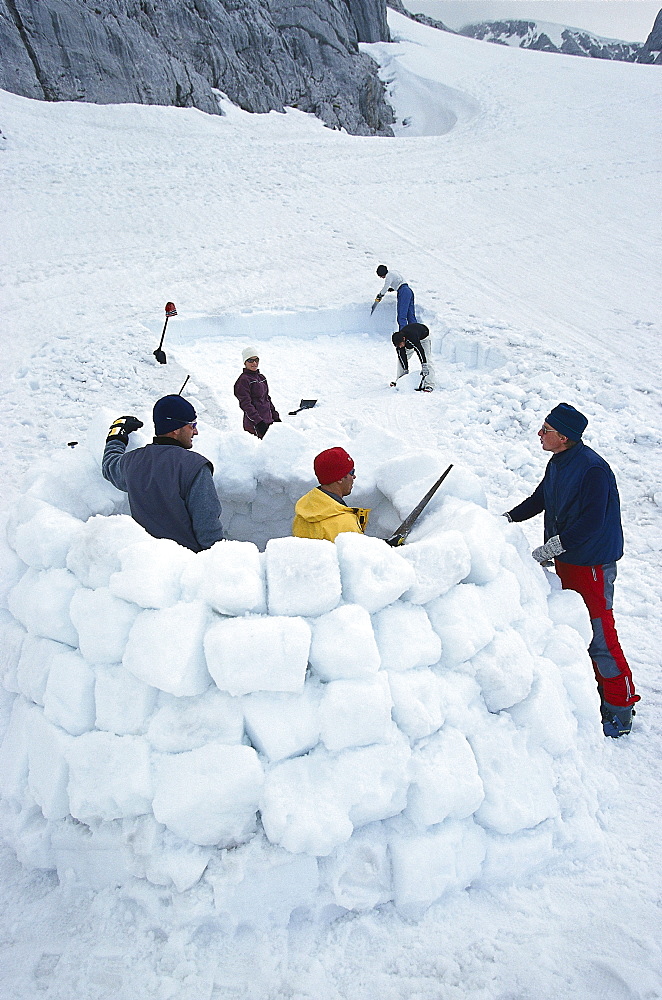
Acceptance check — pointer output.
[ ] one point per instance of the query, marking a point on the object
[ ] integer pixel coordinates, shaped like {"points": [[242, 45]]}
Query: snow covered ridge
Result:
{"points": [[319, 727]]}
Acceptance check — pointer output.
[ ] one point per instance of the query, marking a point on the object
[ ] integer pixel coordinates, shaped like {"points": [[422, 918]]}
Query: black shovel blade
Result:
{"points": [[160, 356], [305, 404]]}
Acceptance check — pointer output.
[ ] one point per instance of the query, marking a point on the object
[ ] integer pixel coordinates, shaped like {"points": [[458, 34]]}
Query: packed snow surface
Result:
{"points": [[244, 773]]}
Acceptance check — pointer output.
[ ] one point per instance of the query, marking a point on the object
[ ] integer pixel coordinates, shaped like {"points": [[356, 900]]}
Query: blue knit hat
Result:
{"points": [[568, 421], [170, 413]]}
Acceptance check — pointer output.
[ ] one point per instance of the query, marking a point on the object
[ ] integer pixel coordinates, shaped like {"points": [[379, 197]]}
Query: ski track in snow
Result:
{"points": [[530, 234]]}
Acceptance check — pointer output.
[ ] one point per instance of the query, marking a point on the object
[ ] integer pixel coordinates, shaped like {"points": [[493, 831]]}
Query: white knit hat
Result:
{"points": [[249, 352]]}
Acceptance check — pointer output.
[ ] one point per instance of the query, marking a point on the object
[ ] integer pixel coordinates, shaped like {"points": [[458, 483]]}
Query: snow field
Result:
{"points": [[357, 723]]}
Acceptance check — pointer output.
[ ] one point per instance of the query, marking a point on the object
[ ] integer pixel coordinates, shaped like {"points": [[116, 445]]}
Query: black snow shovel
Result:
{"points": [[305, 404], [160, 355]]}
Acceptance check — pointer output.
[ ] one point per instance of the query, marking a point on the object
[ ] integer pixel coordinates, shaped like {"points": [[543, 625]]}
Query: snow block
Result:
{"points": [[343, 644], [258, 654], [48, 771], [34, 664], [356, 713], [151, 573], [109, 777], [373, 573], [94, 554], [283, 725], [165, 648], [444, 780], [303, 576], [40, 601], [504, 670], [180, 724], [210, 795], [430, 865], [359, 872], [418, 697], [122, 702], [103, 623], [228, 576], [405, 637], [439, 563], [69, 694], [460, 620], [43, 534]]}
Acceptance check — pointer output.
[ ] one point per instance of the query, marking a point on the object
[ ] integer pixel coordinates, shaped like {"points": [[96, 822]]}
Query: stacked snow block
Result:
{"points": [[320, 727]]}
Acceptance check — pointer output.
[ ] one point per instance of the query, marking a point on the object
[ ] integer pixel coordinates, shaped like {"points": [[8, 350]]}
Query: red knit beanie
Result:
{"points": [[332, 465]]}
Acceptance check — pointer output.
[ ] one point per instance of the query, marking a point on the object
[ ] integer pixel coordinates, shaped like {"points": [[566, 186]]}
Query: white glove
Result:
{"points": [[425, 370], [548, 551]]}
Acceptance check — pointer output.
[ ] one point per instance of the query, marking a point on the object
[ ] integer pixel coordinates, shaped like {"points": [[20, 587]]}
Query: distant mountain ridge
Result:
{"points": [[531, 34], [264, 54]]}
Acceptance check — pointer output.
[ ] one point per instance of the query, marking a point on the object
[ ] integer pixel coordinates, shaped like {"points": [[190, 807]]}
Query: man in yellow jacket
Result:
{"points": [[323, 513]]}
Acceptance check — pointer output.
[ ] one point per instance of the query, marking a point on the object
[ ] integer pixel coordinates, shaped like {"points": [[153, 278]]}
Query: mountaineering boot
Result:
{"points": [[616, 720]]}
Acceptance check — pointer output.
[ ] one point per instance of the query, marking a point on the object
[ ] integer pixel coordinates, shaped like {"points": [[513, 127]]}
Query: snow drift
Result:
{"points": [[314, 727]]}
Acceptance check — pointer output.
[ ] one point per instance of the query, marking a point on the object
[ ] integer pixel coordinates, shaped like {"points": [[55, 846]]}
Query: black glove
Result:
{"points": [[261, 428], [121, 428]]}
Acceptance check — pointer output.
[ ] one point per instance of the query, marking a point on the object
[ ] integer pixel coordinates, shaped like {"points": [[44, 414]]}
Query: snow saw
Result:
{"points": [[399, 536]]}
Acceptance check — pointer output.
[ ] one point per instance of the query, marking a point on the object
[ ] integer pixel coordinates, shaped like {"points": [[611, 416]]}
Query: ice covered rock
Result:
{"points": [[439, 562], [444, 779], [209, 795], [355, 713], [343, 644], [228, 576], [151, 573], [94, 554], [405, 637], [165, 648], [418, 697], [303, 576], [180, 724], [69, 693], [373, 573], [40, 601], [283, 725], [258, 654], [103, 623], [109, 777]]}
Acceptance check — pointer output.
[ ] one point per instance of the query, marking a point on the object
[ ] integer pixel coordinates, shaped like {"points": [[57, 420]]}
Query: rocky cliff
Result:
{"points": [[264, 54], [569, 41], [651, 52]]}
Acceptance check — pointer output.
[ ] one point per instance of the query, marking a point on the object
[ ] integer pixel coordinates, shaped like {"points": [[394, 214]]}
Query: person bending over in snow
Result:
{"points": [[583, 526], [394, 282], [252, 391], [323, 513], [171, 490], [414, 337]]}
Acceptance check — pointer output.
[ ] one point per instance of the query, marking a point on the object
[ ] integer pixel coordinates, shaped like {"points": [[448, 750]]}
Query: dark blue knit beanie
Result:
{"points": [[170, 413], [568, 421]]}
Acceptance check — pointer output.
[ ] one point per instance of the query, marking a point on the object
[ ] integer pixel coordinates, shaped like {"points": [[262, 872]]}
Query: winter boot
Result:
{"points": [[616, 720]]}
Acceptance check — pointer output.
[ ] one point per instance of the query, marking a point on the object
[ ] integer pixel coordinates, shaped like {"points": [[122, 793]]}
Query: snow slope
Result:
{"points": [[528, 230]]}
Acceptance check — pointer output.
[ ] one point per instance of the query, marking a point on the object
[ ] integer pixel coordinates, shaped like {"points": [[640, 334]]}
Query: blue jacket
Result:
{"points": [[171, 490], [580, 499]]}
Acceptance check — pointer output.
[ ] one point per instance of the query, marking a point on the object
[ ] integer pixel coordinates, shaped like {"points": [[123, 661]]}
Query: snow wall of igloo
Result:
{"points": [[316, 727]]}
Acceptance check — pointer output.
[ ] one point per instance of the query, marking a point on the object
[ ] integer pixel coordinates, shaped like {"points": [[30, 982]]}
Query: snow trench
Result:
{"points": [[314, 728]]}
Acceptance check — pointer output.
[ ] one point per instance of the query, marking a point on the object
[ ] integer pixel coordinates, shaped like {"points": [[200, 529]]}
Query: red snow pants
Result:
{"points": [[596, 586]]}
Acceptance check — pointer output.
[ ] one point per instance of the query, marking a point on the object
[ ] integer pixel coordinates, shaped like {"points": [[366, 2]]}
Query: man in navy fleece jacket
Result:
{"points": [[584, 537]]}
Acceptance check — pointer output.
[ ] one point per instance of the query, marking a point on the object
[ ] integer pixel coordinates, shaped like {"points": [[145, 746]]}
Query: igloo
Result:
{"points": [[295, 724]]}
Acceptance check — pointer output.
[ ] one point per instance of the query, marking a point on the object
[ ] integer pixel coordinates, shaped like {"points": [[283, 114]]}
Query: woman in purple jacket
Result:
{"points": [[252, 391]]}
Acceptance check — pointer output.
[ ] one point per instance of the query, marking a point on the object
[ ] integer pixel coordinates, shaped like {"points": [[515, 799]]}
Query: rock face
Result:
{"points": [[263, 54], [652, 47], [573, 42]]}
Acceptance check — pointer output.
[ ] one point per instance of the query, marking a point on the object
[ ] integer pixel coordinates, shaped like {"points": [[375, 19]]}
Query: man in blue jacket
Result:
{"points": [[584, 537], [171, 490]]}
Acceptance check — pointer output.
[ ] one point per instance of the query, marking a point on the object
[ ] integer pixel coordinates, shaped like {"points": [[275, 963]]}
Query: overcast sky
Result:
{"points": [[629, 20]]}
